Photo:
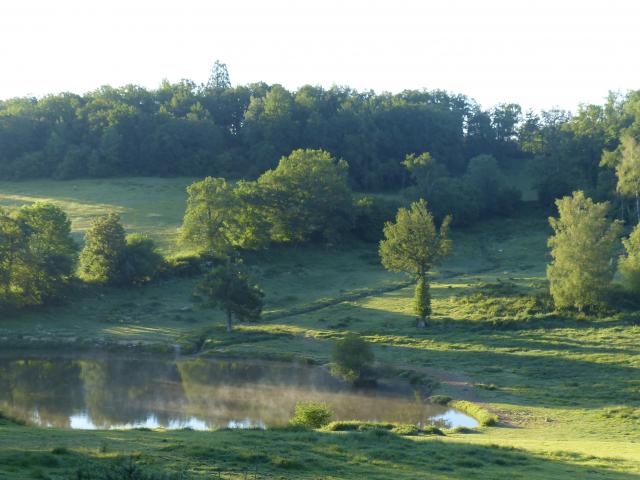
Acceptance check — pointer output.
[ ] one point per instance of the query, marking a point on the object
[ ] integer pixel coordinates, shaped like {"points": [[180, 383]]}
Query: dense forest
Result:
{"points": [[240, 132]]}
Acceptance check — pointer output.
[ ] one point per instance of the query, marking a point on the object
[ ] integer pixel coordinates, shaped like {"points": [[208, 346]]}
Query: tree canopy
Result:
{"points": [[37, 255], [413, 245], [582, 249]]}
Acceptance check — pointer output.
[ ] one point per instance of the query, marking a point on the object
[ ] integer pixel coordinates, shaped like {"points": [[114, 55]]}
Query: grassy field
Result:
{"points": [[566, 388], [151, 205]]}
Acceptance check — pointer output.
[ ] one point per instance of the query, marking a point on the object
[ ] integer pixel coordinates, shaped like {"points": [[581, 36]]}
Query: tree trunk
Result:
{"points": [[228, 321], [422, 300], [638, 206]]}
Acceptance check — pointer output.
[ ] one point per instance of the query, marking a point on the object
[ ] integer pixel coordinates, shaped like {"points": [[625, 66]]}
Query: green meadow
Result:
{"points": [[566, 388]]}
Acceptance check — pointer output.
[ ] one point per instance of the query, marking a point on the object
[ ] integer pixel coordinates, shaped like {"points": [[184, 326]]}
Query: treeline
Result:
{"points": [[240, 132]]}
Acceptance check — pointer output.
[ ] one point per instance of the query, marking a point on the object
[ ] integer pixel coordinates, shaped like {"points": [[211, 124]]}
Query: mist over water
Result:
{"points": [[114, 392]]}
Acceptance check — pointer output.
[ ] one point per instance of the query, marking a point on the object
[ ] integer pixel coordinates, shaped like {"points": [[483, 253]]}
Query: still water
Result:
{"points": [[114, 392]]}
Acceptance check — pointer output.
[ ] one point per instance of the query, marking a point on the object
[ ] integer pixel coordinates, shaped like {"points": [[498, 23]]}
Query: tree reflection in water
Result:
{"points": [[113, 392]]}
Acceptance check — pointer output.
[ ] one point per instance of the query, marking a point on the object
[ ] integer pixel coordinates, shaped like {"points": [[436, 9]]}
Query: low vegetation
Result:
{"points": [[311, 415]]}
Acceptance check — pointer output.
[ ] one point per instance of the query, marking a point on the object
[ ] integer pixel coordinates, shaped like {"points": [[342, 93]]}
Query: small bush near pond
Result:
{"points": [[311, 414], [431, 430], [464, 430], [352, 357], [406, 430], [439, 399]]}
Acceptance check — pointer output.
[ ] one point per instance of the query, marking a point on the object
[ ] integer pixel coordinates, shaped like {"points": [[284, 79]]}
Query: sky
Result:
{"points": [[538, 53]]}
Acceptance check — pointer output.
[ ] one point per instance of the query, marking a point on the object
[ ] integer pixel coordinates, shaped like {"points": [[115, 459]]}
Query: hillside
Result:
{"points": [[565, 387]]}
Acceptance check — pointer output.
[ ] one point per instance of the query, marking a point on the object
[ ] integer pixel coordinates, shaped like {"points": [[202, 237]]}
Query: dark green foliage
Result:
{"points": [[240, 132], [227, 287], [352, 357], [307, 196], [110, 257], [103, 256], [370, 215], [455, 197], [311, 415], [439, 399], [494, 196], [142, 262], [37, 255], [482, 191], [217, 129]]}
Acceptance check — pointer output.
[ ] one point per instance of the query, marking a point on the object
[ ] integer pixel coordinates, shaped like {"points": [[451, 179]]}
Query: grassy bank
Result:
{"points": [[566, 388], [280, 454]]}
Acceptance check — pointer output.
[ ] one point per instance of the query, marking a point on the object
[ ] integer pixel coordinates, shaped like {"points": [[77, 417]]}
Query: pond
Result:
{"points": [[109, 391]]}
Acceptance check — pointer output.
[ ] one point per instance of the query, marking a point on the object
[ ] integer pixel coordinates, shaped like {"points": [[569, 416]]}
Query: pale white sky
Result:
{"points": [[539, 53]]}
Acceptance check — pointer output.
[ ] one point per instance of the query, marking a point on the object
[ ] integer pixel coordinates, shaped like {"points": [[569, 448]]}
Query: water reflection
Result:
{"points": [[112, 392]]}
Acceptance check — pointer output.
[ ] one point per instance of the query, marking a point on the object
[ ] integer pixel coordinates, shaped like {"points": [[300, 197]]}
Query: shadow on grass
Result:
{"points": [[281, 454]]}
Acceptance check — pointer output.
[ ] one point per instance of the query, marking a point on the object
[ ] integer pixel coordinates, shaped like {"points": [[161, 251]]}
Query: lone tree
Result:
{"points": [[219, 78], [227, 287], [413, 245], [629, 263], [582, 248], [103, 255]]}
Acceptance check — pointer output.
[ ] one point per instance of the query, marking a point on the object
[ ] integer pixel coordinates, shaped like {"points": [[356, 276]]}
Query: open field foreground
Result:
{"points": [[566, 388]]}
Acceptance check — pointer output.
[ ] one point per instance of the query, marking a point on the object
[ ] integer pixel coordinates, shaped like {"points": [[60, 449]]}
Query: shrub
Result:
{"points": [[102, 257], [311, 414], [182, 266], [439, 399], [431, 430], [357, 425], [370, 215], [60, 451], [464, 430], [583, 243], [351, 358], [142, 262], [397, 428], [405, 429]]}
